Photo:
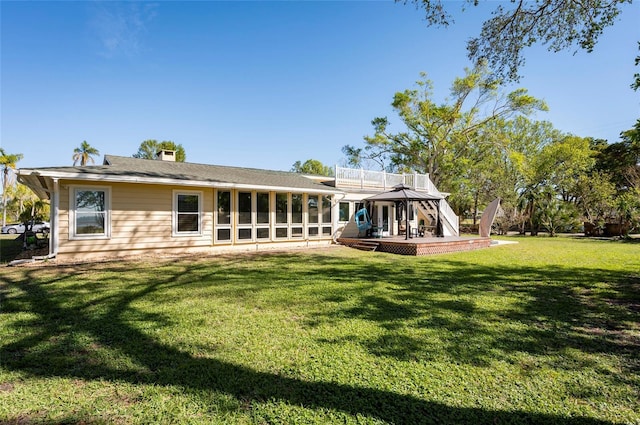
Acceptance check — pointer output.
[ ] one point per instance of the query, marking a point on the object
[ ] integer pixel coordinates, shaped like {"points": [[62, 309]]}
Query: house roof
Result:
{"points": [[134, 170]]}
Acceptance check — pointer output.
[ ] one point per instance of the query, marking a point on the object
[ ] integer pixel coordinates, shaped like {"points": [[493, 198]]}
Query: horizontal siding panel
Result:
{"points": [[141, 219], [150, 234], [84, 246], [197, 250], [150, 217], [141, 202]]}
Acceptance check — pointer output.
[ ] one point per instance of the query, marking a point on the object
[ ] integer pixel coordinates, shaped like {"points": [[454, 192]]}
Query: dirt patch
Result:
{"points": [[30, 253], [55, 262], [6, 387]]}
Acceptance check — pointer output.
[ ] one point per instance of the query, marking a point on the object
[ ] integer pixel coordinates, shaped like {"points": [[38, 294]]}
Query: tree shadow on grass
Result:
{"points": [[556, 313], [54, 350]]}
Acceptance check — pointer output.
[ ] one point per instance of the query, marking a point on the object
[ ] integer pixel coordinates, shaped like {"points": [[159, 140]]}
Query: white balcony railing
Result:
{"points": [[354, 178], [366, 179]]}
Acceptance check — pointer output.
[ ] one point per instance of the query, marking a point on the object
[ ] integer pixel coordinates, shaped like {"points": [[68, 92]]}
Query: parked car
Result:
{"points": [[38, 227]]}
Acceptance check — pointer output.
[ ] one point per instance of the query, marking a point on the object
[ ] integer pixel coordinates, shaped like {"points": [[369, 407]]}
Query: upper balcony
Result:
{"points": [[357, 178]]}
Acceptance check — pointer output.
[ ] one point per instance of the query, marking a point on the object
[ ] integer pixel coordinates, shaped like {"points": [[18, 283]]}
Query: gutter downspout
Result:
{"points": [[53, 236]]}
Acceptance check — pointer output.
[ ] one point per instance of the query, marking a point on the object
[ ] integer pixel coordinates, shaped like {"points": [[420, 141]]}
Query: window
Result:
{"points": [[223, 216], [326, 209], [245, 216], [90, 212], [296, 215], [312, 228], [263, 207], [245, 233], [313, 209], [244, 208], [263, 212], [187, 212], [224, 234], [296, 208], [224, 208], [344, 211], [282, 208], [282, 214]]}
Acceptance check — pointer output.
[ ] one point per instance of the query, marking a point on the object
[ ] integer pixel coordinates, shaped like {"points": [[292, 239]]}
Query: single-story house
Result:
{"points": [[129, 206]]}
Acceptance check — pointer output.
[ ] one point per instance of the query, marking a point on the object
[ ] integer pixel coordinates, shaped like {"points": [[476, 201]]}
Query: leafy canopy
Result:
{"points": [[149, 149], [515, 25], [442, 139], [312, 166]]}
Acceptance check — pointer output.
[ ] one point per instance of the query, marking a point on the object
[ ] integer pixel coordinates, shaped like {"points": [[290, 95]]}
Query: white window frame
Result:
{"points": [[349, 208], [325, 225], [174, 213], [315, 225], [224, 226], [266, 225], [252, 217], [302, 225], [280, 225], [73, 234]]}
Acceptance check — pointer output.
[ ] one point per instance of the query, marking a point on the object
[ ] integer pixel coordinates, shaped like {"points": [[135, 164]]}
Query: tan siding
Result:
{"points": [[63, 217], [141, 220], [141, 223]]}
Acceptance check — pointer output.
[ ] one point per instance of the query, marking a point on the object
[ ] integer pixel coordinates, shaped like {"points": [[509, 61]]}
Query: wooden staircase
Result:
{"points": [[450, 228], [366, 245]]}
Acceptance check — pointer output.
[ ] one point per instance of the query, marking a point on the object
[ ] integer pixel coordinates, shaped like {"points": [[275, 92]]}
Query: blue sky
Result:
{"points": [[263, 84]]}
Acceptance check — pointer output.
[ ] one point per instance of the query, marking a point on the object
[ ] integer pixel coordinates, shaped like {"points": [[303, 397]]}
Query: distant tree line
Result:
{"points": [[482, 144]]}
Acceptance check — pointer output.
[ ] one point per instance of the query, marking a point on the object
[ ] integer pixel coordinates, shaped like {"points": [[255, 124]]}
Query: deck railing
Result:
{"points": [[357, 178], [449, 215], [366, 179]]}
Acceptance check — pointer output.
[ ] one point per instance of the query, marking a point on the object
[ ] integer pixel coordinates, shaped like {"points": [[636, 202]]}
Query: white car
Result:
{"points": [[38, 227]]}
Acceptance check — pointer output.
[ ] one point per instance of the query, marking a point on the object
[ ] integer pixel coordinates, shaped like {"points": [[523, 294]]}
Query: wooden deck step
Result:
{"points": [[366, 245]]}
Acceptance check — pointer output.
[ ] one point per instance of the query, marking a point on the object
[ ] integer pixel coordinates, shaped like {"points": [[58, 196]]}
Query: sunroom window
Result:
{"points": [[282, 215], [263, 212], [245, 216], [313, 208], [223, 216], [296, 215]]}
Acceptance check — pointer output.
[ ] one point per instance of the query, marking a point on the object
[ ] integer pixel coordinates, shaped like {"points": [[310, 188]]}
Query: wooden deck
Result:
{"points": [[417, 245]]}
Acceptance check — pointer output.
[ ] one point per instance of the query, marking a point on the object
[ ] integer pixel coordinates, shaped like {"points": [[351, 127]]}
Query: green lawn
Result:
{"points": [[545, 331]]}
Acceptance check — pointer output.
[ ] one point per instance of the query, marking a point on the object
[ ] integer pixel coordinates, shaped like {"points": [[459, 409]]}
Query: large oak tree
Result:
{"points": [[443, 139]]}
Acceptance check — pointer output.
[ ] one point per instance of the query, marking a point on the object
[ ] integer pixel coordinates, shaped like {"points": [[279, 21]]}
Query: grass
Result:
{"points": [[545, 331]]}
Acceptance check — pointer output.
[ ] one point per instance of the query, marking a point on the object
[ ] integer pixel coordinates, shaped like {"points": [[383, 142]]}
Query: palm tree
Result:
{"points": [[19, 197], [7, 162], [84, 154]]}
